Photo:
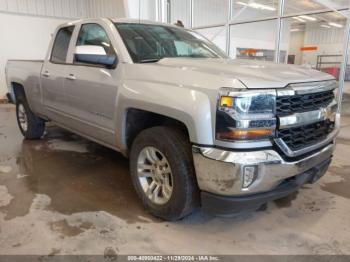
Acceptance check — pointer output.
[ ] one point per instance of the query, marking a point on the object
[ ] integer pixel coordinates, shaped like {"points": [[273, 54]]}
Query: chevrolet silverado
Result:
{"points": [[199, 129]]}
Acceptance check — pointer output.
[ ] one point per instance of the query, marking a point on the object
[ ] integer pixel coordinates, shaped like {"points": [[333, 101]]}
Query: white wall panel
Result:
{"points": [[27, 38], [208, 12], [107, 8], [216, 34], [296, 42], [143, 9], [257, 35], [11, 6], [3, 5], [180, 10], [205, 12], [329, 41], [65, 8], [318, 35], [148, 10], [132, 8]]}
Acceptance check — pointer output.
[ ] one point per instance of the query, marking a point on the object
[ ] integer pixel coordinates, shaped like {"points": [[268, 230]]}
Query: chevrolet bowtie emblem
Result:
{"points": [[326, 113]]}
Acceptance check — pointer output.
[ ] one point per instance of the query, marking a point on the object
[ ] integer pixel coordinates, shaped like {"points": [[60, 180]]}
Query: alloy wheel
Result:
{"points": [[154, 175], [22, 117]]}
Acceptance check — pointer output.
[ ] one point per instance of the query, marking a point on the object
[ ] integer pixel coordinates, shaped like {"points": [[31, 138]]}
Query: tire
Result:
{"points": [[35, 126], [175, 147]]}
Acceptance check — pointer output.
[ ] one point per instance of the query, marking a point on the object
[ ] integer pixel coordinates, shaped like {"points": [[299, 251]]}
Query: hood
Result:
{"points": [[252, 73]]}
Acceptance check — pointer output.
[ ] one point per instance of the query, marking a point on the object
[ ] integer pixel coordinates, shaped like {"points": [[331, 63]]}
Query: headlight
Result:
{"points": [[245, 114]]}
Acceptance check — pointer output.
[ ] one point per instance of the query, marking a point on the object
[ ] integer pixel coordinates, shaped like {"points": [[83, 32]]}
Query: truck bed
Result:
{"points": [[28, 74], [25, 72]]}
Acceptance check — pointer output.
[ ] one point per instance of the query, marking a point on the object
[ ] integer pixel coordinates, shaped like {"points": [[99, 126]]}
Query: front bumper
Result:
{"points": [[220, 175], [223, 205]]}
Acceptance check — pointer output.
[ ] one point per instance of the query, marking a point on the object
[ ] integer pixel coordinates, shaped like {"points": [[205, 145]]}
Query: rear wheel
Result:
{"points": [[163, 174], [31, 126]]}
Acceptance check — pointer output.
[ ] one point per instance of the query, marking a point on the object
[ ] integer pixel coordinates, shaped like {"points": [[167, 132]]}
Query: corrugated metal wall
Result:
{"points": [[315, 35], [65, 8], [209, 12], [205, 12], [105, 8], [180, 10]]}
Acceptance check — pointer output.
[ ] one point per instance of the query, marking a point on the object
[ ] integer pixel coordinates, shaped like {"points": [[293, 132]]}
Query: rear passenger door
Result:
{"points": [[53, 74], [92, 89]]}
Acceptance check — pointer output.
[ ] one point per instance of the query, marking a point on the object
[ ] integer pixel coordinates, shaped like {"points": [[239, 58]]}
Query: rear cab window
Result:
{"points": [[61, 45]]}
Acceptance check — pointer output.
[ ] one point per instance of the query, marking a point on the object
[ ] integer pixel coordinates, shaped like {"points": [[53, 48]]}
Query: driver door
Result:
{"points": [[92, 89]]}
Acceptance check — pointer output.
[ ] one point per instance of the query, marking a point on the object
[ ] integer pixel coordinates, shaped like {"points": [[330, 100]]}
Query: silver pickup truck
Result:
{"points": [[200, 129]]}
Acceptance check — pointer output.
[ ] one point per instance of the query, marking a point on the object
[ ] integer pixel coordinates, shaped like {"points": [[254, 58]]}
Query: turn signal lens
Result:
{"points": [[245, 134], [226, 101]]}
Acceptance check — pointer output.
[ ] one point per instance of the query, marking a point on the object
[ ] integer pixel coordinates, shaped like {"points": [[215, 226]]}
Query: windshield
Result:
{"points": [[150, 43]]}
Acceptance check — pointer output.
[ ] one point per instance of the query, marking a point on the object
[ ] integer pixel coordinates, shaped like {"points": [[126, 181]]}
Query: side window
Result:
{"points": [[94, 34], [61, 45]]}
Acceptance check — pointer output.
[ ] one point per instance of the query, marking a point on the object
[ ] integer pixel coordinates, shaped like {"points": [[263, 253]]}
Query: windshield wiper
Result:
{"points": [[153, 60]]}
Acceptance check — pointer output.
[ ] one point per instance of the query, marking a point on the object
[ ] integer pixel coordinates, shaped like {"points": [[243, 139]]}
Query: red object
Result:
{"points": [[249, 51], [334, 71], [308, 48]]}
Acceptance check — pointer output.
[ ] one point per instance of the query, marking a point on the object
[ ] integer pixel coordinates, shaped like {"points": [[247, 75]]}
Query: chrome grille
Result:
{"points": [[306, 117], [300, 137], [287, 105]]}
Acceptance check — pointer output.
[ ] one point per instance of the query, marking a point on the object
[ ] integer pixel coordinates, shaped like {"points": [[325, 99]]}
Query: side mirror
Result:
{"points": [[93, 54]]}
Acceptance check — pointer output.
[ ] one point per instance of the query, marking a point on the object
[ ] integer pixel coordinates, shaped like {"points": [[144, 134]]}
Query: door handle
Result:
{"points": [[46, 74], [71, 77]]}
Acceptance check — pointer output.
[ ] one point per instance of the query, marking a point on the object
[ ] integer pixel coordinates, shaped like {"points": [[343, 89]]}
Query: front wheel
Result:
{"points": [[163, 174], [31, 126]]}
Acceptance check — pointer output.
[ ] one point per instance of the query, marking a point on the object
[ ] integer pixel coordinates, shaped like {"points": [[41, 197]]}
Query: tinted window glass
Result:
{"points": [[94, 34], [151, 42], [61, 44]]}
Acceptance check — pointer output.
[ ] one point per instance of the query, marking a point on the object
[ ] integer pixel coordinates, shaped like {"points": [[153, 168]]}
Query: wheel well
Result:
{"points": [[18, 91], [138, 120]]}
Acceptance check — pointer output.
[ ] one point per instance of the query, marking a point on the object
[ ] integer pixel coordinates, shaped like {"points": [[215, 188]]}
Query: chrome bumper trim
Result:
{"points": [[221, 172], [308, 88], [246, 144], [305, 118], [254, 124]]}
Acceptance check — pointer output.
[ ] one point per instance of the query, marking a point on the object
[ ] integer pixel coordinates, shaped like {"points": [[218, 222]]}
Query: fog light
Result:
{"points": [[249, 175]]}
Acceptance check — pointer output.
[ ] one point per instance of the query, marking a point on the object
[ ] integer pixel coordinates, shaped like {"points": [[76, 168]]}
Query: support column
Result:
{"points": [[279, 31], [228, 33], [191, 14], [344, 64]]}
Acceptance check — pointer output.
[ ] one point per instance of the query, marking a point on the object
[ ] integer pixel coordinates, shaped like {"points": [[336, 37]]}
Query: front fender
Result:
{"points": [[190, 106]]}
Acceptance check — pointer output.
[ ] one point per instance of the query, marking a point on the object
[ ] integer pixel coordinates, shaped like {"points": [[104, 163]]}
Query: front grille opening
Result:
{"points": [[287, 105], [300, 137]]}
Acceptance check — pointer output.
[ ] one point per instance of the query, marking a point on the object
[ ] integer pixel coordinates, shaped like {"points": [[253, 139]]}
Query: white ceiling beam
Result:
{"points": [[334, 6]]}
